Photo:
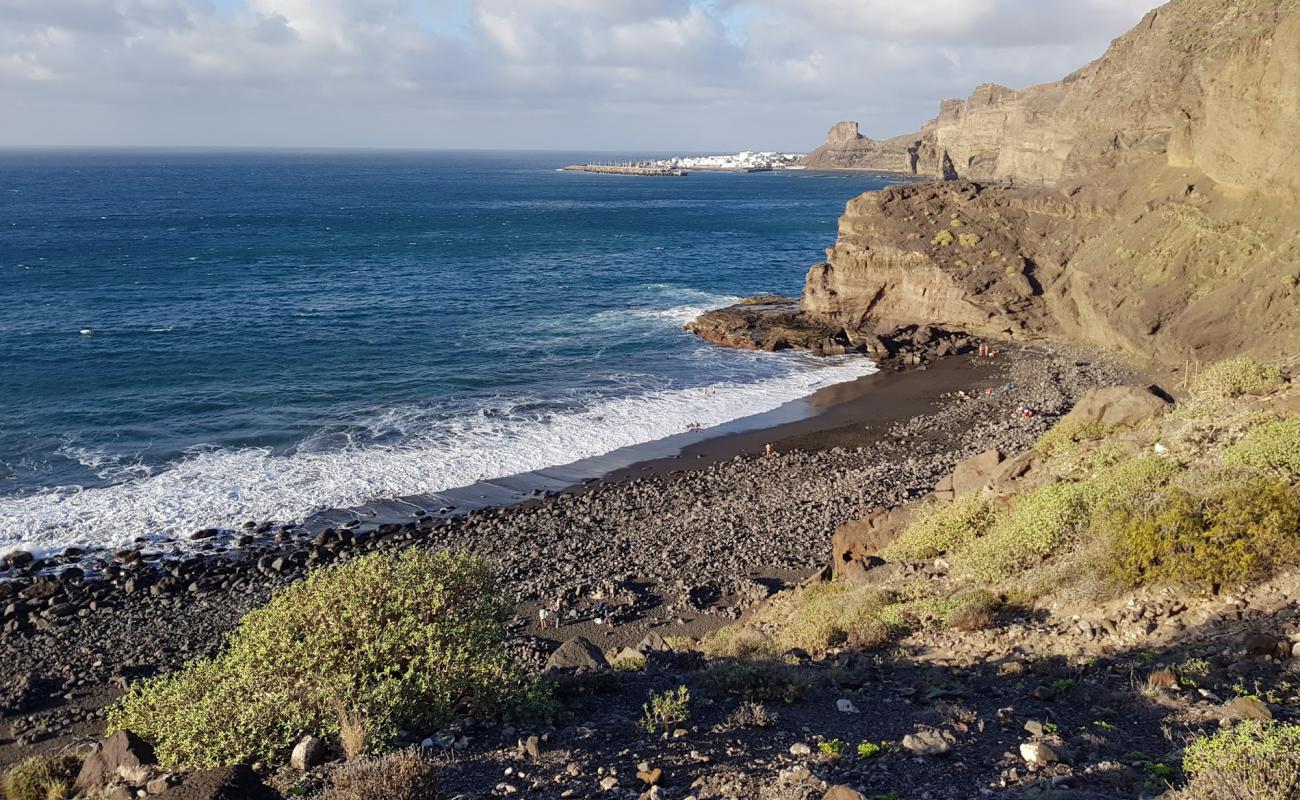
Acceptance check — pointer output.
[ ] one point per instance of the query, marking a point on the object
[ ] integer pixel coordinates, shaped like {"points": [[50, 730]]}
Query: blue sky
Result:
{"points": [[555, 74]]}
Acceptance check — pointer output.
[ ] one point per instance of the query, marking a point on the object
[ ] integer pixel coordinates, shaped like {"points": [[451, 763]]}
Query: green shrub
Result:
{"points": [[666, 709], [1237, 534], [969, 240], [1253, 760], [759, 681], [1233, 378], [401, 775], [1036, 526], [831, 748], [1273, 446], [408, 641], [872, 749], [1065, 436], [942, 528], [35, 778], [943, 239]]}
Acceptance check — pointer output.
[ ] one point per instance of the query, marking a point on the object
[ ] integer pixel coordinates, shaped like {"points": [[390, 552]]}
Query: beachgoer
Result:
{"points": [[769, 451], [541, 618]]}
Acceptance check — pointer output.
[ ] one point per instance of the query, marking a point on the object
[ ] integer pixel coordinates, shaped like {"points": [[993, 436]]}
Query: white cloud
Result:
{"points": [[585, 73]]}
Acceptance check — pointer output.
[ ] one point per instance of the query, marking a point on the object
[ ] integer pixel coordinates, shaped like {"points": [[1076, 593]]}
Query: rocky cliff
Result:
{"points": [[1148, 203], [846, 148]]}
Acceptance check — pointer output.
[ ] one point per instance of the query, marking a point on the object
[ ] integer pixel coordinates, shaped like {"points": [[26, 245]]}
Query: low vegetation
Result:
{"points": [[1065, 436], [36, 778], [359, 650], [400, 775], [665, 710], [1258, 760], [1273, 447], [1238, 534], [942, 528], [759, 681], [1234, 377]]}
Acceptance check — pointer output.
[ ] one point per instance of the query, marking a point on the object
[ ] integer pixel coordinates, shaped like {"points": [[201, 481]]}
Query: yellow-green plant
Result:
{"points": [[1066, 435], [1236, 534], [665, 709], [942, 528], [408, 641], [1257, 760], [1035, 527], [1234, 377], [1273, 446]]}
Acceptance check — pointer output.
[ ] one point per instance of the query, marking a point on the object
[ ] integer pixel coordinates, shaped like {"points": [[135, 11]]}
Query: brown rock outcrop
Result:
{"points": [[1196, 84], [846, 148], [1168, 233]]}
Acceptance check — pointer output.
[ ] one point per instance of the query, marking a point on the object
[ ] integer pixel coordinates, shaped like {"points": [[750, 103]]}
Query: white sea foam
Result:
{"points": [[223, 488]]}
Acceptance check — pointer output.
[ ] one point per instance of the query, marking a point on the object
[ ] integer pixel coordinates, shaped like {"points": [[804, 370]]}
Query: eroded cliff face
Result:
{"points": [[1148, 203], [846, 148], [1199, 83]]}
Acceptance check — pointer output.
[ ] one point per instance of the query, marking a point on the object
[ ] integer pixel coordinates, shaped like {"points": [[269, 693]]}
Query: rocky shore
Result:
{"points": [[676, 551]]}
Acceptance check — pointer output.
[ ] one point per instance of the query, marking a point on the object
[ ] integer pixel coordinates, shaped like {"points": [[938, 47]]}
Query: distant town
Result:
{"points": [[744, 161], [678, 166]]}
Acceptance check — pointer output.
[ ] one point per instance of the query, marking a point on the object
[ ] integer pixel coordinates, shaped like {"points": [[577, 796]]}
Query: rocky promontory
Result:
{"points": [[1142, 204]]}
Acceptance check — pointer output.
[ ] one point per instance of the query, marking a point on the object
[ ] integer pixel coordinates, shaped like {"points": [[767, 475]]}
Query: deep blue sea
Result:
{"points": [[192, 339]]}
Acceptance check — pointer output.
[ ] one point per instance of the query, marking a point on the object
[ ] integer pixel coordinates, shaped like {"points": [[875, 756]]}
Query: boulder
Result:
{"points": [[1038, 753], [843, 792], [1123, 406], [926, 743], [653, 643], [577, 655], [223, 783], [1243, 708], [854, 543], [309, 752], [122, 755], [969, 476]]}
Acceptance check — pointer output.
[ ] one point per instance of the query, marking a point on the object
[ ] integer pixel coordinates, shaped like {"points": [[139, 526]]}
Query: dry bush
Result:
{"points": [[401, 775]]}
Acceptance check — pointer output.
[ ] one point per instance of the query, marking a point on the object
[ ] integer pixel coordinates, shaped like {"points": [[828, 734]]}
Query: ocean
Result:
{"points": [[195, 339]]}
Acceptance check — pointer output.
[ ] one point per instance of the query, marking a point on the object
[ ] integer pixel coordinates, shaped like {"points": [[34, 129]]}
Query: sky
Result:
{"points": [[661, 75]]}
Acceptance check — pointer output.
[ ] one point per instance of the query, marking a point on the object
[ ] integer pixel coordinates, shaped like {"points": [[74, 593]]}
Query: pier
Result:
{"points": [[649, 170]]}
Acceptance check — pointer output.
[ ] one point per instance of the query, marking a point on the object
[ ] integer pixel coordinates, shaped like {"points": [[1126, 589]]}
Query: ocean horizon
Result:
{"points": [[197, 338]]}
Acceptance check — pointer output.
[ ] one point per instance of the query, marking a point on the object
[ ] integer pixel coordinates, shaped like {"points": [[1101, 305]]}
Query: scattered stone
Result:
{"points": [[843, 792], [845, 706], [927, 743], [800, 749], [577, 655], [1038, 753], [120, 755], [309, 752]]}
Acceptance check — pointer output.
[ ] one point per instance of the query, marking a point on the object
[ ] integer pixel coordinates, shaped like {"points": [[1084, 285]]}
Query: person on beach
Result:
{"points": [[541, 618], [559, 610], [769, 451]]}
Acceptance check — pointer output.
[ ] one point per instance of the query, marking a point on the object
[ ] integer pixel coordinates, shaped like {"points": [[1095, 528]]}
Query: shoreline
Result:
{"points": [[679, 546]]}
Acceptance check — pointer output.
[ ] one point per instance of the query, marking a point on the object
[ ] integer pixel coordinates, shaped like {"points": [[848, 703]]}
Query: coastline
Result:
{"points": [[678, 546]]}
